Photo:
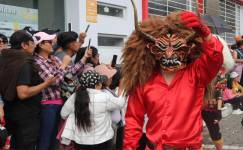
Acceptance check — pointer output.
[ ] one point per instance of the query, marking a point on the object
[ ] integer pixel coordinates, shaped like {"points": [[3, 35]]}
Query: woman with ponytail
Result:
{"points": [[88, 116]]}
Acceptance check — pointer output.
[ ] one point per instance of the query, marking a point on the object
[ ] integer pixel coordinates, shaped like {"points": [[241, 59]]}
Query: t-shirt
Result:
{"points": [[60, 54], [239, 53], [30, 107]]}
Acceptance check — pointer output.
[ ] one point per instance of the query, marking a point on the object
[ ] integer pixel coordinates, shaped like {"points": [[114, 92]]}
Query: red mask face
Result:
{"points": [[171, 51]]}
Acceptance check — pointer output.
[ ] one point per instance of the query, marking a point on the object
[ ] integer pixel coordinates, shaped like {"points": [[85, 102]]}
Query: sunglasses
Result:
{"points": [[50, 42], [3, 42]]}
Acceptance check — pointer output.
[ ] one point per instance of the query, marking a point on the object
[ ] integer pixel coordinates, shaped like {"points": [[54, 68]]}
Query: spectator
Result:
{"points": [[52, 102], [88, 115], [238, 57], [233, 94], [3, 42], [21, 91], [92, 61], [50, 31], [69, 44]]}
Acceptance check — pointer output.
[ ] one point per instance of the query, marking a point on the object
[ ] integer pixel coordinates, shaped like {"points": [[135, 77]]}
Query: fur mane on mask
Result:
{"points": [[138, 64]]}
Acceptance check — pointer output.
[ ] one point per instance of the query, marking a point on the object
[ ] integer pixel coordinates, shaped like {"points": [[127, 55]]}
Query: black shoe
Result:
{"points": [[242, 122]]}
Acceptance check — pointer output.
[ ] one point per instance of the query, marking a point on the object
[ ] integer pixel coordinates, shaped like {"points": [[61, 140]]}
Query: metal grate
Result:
{"points": [[229, 11]]}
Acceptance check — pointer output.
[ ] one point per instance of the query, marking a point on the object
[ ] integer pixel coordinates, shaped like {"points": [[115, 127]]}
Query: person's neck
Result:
{"points": [[44, 54], [25, 51], [168, 76], [70, 52]]}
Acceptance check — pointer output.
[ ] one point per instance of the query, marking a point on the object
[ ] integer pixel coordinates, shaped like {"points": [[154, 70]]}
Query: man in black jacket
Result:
{"points": [[20, 87]]}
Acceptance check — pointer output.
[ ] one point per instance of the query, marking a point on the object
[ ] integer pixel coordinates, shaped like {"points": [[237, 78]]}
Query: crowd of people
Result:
{"points": [[51, 84], [55, 94]]}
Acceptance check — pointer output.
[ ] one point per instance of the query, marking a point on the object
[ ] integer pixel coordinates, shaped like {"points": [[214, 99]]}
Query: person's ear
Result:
{"points": [[98, 86], [41, 45], [24, 45]]}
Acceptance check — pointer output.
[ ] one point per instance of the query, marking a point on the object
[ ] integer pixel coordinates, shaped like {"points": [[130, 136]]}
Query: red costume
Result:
{"points": [[174, 111]]}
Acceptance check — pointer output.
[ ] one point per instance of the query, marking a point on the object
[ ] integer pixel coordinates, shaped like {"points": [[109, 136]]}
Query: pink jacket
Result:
{"points": [[227, 94]]}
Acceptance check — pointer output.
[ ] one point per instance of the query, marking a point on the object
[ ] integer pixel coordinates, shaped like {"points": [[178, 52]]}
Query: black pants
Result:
{"points": [[142, 142], [103, 146], [24, 134], [214, 129]]}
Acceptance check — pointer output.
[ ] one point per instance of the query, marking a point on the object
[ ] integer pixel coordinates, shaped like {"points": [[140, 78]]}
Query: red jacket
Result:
{"points": [[174, 110]]}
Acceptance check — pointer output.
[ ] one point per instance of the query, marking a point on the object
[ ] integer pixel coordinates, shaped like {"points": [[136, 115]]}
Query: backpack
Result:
{"points": [[69, 85]]}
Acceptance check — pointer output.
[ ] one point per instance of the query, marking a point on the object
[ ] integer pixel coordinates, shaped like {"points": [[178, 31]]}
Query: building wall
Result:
{"points": [[106, 25], [227, 9], [241, 20], [50, 12]]}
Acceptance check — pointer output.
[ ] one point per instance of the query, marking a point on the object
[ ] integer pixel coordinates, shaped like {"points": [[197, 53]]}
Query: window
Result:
{"points": [[110, 10], [164, 7], [230, 13], [110, 40]]}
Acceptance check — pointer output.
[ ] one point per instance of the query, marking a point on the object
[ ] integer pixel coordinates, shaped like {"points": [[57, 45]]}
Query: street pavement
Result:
{"points": [[232, 132]]}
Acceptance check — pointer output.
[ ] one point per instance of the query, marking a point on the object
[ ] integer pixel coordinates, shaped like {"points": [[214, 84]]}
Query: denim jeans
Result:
{"points": [[50, 117]]}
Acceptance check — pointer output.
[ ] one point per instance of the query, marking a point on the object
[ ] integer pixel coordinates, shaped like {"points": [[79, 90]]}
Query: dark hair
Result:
{"points": [[5, 39], [19, 37], [229, 81], [64, 38], [30, 30], [240, 43], [81, 52], [81, 110]]}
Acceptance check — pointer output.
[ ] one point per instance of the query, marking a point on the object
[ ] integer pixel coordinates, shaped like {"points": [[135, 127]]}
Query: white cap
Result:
{"points": [[233, 75], [42, 36]]}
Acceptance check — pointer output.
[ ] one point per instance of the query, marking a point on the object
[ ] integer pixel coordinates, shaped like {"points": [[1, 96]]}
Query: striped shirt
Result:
{"points": [[51, 67]]}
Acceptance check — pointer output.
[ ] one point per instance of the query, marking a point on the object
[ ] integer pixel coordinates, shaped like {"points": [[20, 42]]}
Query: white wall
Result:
{"points": [[76, 13], [241, 20]]}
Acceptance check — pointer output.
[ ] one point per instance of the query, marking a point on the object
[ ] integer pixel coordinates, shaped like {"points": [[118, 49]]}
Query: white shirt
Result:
{"points": [[101, 104]]}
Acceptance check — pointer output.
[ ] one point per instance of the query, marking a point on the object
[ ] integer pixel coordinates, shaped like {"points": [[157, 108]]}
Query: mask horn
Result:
{"points": [[197, 9], [147, 36]]}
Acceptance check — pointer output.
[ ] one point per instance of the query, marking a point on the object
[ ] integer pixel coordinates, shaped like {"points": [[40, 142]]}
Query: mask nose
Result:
{"points": [[169, 52]]}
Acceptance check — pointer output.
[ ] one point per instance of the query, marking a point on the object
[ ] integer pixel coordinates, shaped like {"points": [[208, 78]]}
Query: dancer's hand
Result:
{"points": [[191, 20]]}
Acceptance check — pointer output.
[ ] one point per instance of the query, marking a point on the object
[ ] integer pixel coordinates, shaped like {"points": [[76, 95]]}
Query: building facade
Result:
{"points": [[230, 10], [113, 25], [111, 21]]}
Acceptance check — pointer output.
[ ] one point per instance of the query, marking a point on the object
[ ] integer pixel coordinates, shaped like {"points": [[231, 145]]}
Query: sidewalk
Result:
{"points": [[232, 133]]}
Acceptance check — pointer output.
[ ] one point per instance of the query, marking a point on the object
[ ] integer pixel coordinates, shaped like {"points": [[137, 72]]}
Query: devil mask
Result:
{"points": [[171, 51]]}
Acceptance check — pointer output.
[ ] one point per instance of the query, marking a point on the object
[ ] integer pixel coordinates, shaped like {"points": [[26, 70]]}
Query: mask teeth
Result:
{"points": [[174, 61]]}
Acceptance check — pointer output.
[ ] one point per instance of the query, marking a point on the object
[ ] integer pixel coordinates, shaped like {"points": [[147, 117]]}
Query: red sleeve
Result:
{"points": [[134, 120], [208, 64]]}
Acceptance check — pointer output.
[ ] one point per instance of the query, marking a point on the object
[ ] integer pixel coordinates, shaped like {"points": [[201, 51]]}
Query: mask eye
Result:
{"points": [[177, 46], [161, 46]]}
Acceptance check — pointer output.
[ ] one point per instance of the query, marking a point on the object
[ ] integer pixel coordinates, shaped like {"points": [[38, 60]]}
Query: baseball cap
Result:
{"points": [[50, 31], [233, 75], [42, 36], [19, 37]]}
